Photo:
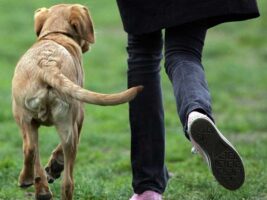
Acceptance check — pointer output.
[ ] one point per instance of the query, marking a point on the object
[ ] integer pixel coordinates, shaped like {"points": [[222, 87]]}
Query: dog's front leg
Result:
{"points": [[29, 134]]}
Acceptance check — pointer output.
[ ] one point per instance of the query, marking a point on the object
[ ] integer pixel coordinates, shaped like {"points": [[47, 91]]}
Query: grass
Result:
{"points": [[235, 60]]}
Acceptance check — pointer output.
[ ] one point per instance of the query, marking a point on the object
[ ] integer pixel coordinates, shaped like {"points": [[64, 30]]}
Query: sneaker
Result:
{"points": [[147, 195], [222, 158]]}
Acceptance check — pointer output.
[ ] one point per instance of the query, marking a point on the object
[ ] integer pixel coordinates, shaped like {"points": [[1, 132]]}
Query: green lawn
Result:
{"points": [[235, 61]]}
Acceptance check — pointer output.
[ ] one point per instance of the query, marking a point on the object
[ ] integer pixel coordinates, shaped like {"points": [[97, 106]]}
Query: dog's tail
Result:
{"points": [[61, 83]]}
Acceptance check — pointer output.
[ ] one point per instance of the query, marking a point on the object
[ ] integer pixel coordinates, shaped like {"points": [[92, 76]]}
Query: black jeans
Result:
{"points": [[183, 50]]}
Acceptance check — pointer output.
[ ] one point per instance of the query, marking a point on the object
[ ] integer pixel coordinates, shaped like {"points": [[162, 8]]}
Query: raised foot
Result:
{"points": [[53, 170], [223, 159]]}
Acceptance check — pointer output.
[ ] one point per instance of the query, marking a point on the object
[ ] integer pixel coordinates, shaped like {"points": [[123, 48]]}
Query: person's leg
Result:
{"points": [[183, 64], [146, 113], [183, 52]]}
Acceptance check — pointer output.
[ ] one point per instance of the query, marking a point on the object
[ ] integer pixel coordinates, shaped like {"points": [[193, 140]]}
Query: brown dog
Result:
{"points": [[47, 90]]}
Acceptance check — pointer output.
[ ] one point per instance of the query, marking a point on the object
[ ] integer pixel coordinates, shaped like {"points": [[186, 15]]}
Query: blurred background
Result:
{"points": [[235, 61]]}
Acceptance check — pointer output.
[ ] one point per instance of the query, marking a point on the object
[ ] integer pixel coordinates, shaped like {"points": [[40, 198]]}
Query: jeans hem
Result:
{"points": [[197, 107], [144, 188]]}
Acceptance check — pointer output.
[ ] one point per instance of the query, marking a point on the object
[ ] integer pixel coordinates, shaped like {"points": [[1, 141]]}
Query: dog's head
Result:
{"points": [[73, 20]]}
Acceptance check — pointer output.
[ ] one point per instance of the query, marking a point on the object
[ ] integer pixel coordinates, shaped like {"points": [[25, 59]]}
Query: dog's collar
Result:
{"points": [[74, 37]]}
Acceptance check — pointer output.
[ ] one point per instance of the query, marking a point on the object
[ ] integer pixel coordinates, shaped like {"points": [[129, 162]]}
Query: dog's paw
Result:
{"points": [[43, 196], [24, 181], [25, 184], [53, 170], [42, 191]]}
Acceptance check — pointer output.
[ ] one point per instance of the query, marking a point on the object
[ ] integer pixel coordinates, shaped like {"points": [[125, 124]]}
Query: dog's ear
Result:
{"points": [[39, 19], [82, 24]]}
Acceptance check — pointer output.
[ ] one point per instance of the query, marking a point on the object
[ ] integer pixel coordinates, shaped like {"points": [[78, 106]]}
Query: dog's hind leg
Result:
{"points": [[55, 164], [66, 126], [69, 140]]}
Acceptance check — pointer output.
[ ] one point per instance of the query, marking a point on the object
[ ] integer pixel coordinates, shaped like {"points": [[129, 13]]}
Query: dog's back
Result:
{"points": [[36, 97], [48, 76]]}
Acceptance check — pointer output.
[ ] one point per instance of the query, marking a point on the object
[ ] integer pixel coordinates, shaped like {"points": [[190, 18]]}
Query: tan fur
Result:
{"points": [[47, 89]]}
